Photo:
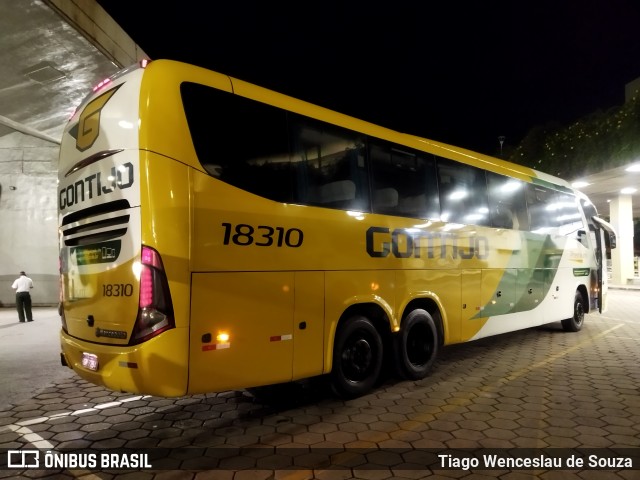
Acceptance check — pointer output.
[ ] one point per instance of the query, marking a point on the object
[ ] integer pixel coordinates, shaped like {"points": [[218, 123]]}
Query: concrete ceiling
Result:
{"points": [[605, 186], [47, 66], [46, 69]]}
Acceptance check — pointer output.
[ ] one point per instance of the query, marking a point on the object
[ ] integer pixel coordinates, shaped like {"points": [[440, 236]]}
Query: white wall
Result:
{"points": [[28, 217]]}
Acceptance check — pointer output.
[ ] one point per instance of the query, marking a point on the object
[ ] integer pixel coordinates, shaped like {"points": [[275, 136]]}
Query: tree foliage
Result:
{"points": [[601, 140]]}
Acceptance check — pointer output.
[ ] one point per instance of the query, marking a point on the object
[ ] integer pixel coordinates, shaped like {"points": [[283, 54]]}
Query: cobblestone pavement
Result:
{"points": [[538, 392]]}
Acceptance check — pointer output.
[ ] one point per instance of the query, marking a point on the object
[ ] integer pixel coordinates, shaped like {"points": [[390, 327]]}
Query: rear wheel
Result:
{"points": [[416, 345], [357, 357], [575, 323]]}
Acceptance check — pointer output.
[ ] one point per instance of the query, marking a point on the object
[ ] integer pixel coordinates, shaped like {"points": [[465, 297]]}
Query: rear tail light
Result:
{"points": [[155, 310]]}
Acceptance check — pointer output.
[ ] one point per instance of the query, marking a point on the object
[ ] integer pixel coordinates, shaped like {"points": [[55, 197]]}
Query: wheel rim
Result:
{"points": [[579, 314], [357, 358]]}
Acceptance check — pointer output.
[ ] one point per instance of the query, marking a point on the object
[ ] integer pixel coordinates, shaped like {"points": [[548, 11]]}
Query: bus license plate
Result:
{"points": [[90, 361]]}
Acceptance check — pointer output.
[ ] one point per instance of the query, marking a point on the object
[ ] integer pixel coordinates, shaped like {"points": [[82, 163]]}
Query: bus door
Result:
{"points": [[605, 239]]}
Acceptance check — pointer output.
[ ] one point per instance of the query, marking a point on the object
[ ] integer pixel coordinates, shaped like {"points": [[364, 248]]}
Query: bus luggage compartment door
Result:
{"points": [[530, 288], [498, 291], [241, 330]]}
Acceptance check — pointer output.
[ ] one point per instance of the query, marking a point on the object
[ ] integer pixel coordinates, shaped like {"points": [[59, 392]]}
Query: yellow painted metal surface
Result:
{"points": [[145, 368], [242, 331], [163, 127], [166, 223], [308, 324]]}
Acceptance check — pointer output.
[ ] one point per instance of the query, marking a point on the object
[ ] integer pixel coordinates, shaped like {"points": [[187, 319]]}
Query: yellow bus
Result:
{"points": [[216, 235]]}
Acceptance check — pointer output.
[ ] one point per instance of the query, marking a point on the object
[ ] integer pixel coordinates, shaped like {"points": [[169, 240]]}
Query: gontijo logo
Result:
{"points": [[89, 122], [97, 184], [406, 243]]}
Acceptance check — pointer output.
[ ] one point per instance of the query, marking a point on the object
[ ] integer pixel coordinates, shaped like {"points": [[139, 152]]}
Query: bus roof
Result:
{"points": [[191, 73], [487, 162]]}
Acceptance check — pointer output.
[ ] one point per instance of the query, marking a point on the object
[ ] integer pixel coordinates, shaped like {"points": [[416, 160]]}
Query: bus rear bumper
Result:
{"points": [[156, 367]]}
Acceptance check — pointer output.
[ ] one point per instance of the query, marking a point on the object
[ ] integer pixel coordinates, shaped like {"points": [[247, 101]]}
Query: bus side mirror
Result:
{"points": [[612, 240]]}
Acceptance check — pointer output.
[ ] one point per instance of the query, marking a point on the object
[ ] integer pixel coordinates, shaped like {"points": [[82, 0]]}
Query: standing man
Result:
{"points": [[22, 285]]}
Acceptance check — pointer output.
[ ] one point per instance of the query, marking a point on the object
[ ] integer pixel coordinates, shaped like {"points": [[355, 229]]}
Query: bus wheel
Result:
{"points": [[575, 323], [416, 345], [357, 357]]}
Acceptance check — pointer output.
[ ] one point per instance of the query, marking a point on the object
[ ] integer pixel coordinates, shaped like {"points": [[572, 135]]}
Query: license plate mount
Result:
{"points": [[90, 361]]}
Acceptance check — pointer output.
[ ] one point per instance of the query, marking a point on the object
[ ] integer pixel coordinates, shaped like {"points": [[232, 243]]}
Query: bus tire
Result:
{"points": [[575, 323], [416, 345], [357, 357]]}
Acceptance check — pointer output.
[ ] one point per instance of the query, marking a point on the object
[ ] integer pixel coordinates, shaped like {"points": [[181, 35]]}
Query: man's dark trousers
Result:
{"points": [[23, 304]]}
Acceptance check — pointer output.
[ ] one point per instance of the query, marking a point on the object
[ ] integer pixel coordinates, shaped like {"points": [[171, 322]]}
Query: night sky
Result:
{"points": [[460, 72]]}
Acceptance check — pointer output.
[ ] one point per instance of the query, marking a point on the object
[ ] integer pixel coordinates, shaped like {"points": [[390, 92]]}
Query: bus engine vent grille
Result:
{"points": [[96, 224]]}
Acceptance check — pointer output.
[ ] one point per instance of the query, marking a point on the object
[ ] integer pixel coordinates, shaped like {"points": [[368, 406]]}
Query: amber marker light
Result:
{"points": [[222, 337]]}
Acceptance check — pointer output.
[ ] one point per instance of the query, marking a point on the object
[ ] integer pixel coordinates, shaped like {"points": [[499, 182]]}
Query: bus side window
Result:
{"points": [[568, 215], [404, 182], [239, 141], [383, 177], [541, 204], [507, 205], [329, 166], [463, 193]]}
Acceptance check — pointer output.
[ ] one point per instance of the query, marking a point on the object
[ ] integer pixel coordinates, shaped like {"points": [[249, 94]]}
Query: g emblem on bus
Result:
{"points": [[89, 122]]}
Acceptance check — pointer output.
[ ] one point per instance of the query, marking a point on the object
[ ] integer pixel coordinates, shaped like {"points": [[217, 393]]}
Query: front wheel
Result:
{"points": [[575, 323], [357, 357]]}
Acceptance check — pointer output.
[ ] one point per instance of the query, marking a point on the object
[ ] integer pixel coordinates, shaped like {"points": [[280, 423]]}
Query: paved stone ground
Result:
{"points": [[536, 392], [29, 354]]}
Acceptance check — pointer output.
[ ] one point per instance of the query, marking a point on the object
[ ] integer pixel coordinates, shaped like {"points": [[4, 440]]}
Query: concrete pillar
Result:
{"points": [[622, 256]]}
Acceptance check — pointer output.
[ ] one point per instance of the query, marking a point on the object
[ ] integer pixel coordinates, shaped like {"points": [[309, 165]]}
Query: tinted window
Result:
{"points": [[507, 205], [329, 165], [404, 182], [239, 141], [567, 214], [463, 193], [589, 212], [541, 203]]}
